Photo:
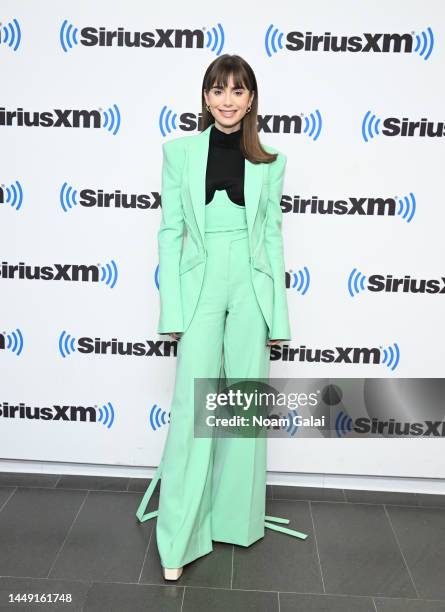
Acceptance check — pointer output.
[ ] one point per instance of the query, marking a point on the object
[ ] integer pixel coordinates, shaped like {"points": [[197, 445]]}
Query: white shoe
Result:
{"points": [[172, 574]]}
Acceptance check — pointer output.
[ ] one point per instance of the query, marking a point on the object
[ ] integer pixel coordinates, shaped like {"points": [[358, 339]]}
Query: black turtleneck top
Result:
{"points": [[225, 165]]}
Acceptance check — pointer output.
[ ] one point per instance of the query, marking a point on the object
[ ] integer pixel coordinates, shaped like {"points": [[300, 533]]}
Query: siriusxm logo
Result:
{"points": [[12, 195], [211, 38], [100, 273], [68, 345], [298, 281], [108, 119], [157, 417], [104, 414], [421, 43], [310, 124], [344, 425], [392, 126], [389, 356], [378, 283], [401, 206], [70, 197], [12, 341], [10, 34]]}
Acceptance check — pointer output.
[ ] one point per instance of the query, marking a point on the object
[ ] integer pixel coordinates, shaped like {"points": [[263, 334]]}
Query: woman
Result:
{"points": [[223, 297]]}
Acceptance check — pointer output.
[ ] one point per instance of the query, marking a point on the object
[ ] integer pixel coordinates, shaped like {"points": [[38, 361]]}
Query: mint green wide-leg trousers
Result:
{"points": [[214, 488]]}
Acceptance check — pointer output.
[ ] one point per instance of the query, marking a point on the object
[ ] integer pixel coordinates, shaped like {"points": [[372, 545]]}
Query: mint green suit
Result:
{"points": [[222, 284]]}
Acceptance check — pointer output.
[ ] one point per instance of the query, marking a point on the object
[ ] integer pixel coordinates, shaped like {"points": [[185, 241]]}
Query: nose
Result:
{"points": [[227, 99]]}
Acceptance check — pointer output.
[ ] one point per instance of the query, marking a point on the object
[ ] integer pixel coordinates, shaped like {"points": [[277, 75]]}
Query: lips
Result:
{"points": [[227, 113]]}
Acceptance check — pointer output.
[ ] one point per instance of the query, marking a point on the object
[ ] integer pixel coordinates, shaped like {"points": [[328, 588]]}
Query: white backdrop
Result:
{"points": [[52, 177]]}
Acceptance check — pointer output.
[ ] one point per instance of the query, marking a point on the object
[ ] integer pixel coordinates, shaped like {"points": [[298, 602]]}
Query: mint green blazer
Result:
{"points": [[181, 242]]}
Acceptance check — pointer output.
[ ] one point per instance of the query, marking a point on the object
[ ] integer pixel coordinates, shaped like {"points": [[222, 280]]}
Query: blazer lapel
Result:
{"points": [[253, 180]]}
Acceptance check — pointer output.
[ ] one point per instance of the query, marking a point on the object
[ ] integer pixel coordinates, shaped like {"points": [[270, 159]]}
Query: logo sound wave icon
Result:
{"points": [[112, 119], [313, 125], [167, 121], [370, 126], [407, 207], [14, 342], [11, 35], [106, 415], [424, 43], [14, 195], [356, 282], [68, 197], [273, 38], [158, 417], [157, 276], [301, 280], [68, 36], [391, 356], [291, 428], [67, 344], [215, 38], [109, 274], [343, 424]]}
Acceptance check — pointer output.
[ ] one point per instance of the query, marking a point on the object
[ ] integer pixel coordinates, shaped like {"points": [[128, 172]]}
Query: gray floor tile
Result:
{"points": [[358, 551], [93, 483], [5, 494], [431, 500], [107, 542], [280, 561], [20, 479], [43, 587], [141, 484], [393, 498], [33, 526], [211, 570], [222, 600], [421, 535], [308, 493], [408, 605], [112, 597], [293, 602]]}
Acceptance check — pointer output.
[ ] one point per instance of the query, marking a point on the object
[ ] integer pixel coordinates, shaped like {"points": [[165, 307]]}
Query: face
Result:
{"points": [[228, 105]]}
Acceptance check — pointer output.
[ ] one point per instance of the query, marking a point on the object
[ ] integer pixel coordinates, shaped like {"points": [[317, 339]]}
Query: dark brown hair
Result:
{"points": [[217, 74]]}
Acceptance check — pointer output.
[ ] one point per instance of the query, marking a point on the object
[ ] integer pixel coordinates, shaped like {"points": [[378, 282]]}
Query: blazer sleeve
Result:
{"points": [[274, 247], [170, 237]]}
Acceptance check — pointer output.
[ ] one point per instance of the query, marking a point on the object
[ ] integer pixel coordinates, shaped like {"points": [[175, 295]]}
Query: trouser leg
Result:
{"points": [[240, 464], [183, 528]]}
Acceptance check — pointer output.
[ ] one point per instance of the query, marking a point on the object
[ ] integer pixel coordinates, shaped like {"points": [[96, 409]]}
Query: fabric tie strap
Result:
{"points": [[277, 519], [147, 495], [154, 481]]}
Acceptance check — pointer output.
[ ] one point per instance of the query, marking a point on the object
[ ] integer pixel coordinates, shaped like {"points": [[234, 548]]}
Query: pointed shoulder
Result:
{"points": [[271, 149], [179, 143], [281, 156]]}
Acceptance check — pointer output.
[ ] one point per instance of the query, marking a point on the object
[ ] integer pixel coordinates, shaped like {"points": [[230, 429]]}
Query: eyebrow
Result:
{"points": [[221, 87]]}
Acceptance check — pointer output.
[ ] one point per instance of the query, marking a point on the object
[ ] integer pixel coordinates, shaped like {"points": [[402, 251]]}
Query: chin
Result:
{"points": [[229, 120]]}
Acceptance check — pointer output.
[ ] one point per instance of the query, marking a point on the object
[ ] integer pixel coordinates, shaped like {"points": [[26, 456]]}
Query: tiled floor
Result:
{"points": [[78, 535]]}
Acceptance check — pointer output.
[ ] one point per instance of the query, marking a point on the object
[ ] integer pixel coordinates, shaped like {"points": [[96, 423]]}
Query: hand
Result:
{"points": [[272, 342], [176, 335]]}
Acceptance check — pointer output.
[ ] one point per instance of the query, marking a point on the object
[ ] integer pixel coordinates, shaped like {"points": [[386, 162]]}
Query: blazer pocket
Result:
{"points": [[263, 266], [188, 264]]}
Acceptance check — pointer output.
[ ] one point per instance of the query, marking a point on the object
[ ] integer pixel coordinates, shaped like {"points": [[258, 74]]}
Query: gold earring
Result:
{"points": [[248, 110], [208, 107]]}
